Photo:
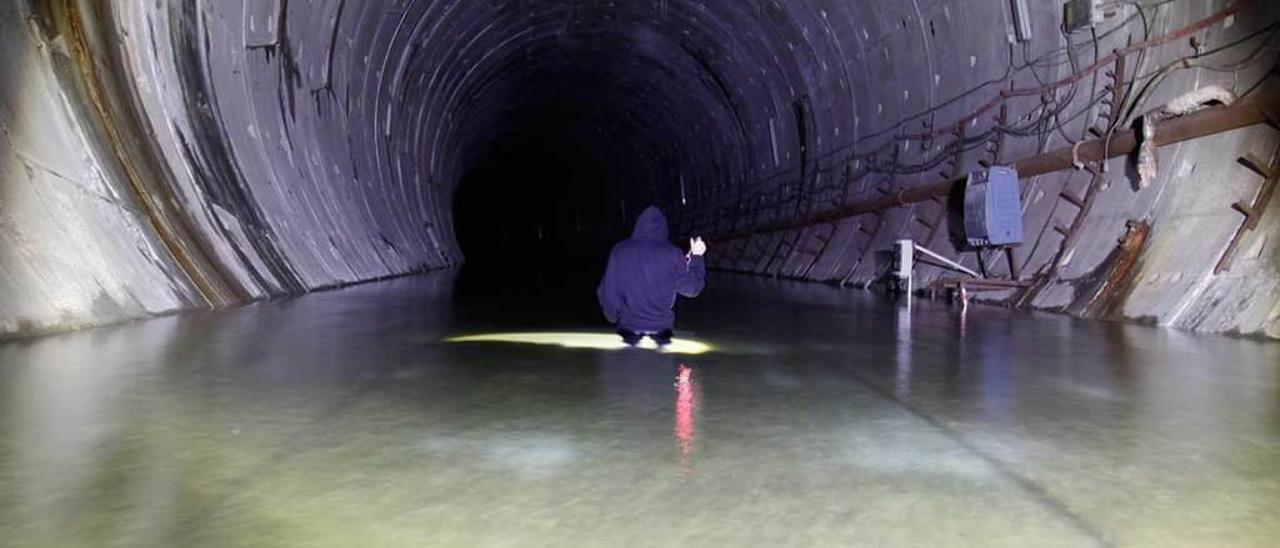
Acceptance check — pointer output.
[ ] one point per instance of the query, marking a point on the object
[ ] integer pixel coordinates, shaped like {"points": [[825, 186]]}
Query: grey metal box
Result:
{"points": [[1081, 14], [993, 208]]}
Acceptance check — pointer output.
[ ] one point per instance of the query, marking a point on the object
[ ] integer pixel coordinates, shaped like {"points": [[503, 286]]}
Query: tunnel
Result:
{"points": [[231, 230], [257, 150]]}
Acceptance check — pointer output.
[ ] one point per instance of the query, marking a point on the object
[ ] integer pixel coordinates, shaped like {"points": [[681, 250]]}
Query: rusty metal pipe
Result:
{"points": [[1184, 128]]}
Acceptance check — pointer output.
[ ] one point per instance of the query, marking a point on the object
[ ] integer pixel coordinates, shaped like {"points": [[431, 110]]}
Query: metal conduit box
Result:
{"points": [[993, 208], [1081, 14]]}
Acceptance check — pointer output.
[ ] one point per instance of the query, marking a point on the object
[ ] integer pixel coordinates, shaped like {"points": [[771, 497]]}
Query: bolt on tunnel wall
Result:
{"points": [[159, 157]]}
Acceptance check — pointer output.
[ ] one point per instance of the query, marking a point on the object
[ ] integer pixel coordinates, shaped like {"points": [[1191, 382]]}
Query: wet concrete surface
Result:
{"points": [[822, 417]]}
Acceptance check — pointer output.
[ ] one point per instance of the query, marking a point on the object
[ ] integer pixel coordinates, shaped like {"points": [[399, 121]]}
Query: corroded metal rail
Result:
{"points": [[1210, 121]]}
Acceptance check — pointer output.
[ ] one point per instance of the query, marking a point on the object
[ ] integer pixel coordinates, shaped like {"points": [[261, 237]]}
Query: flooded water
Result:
{"points": [[818, 416]]}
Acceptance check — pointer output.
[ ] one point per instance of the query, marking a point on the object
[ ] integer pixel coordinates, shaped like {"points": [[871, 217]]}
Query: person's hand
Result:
{"points": [[697, 247]]}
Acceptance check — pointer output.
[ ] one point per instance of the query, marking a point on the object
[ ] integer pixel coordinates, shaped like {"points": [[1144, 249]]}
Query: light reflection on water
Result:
{"points": [[594, 341], [686, 405], [344, 419]]}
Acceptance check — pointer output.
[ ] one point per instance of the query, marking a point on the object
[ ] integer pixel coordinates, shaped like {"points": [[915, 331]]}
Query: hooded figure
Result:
{"points": [[643, 277]]}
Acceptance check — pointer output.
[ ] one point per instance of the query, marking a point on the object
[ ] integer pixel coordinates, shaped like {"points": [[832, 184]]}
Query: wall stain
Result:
{"points": [[1103, 292], [94, 71], [212, 158]]}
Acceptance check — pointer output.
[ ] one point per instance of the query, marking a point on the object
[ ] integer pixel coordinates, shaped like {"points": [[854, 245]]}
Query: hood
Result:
{"points": [[651, 225]]}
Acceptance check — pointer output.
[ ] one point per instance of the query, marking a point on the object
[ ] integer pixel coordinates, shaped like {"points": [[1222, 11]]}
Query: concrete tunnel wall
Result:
{"points": [[168, 156]]}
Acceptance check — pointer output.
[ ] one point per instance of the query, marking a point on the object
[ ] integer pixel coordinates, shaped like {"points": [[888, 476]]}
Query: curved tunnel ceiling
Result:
{"points": [[402, 98], [364, 116], [280, 146]]}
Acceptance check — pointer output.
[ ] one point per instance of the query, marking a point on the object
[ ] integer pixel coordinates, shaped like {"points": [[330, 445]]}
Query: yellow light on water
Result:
{"points": [[597, 341]]}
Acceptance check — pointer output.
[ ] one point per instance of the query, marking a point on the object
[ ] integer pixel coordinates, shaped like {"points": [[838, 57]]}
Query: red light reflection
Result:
{"points": [[685, 403]]}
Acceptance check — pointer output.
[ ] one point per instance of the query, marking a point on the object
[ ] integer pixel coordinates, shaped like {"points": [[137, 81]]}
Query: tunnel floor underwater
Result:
{"points": [[820, 416]]}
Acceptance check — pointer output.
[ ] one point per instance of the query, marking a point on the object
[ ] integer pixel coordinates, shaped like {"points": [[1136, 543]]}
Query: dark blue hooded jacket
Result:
{"points": [[644, 275]]}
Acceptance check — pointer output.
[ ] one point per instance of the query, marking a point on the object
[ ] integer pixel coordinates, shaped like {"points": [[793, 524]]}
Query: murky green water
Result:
{"points": [[823, 417]]}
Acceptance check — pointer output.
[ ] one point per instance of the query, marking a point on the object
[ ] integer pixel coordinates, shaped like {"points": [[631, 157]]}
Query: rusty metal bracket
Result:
{"points": [[1097, 184], [1252, 211], [823, 242], [1118, 90]]}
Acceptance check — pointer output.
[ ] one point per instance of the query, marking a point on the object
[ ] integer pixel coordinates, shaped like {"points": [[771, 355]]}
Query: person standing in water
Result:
{"points": [[644, 275]]}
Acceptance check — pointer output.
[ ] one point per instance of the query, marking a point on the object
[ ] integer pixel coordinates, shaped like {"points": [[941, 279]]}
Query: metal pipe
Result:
{"points": [[1175, 130], [947, 262]]}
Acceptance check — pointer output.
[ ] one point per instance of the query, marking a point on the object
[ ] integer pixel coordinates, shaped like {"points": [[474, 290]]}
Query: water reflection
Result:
{"points": [[686, 404], [593, 341], [73, 426], [134, 435], [903, 347], [343, 419], [996, 357]]}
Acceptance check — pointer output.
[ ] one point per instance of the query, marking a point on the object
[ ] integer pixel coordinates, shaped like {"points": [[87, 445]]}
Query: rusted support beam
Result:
{"points": [[1123, 263], [1256, 165], [982, 282], [1071, 199], [1117, 90], [1198, 124], [1252, 211], [1272, 112], [823, 240], [1175, 130], [1069, 235]]}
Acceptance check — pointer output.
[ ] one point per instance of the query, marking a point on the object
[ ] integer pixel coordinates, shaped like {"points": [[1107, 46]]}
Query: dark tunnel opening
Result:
{"points": [[547, 176], [559, 202], [560, 153]]}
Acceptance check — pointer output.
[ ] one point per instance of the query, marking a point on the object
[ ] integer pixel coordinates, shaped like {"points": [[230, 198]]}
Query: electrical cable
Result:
{"points": [[1049, 118], [1154, 79]]}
